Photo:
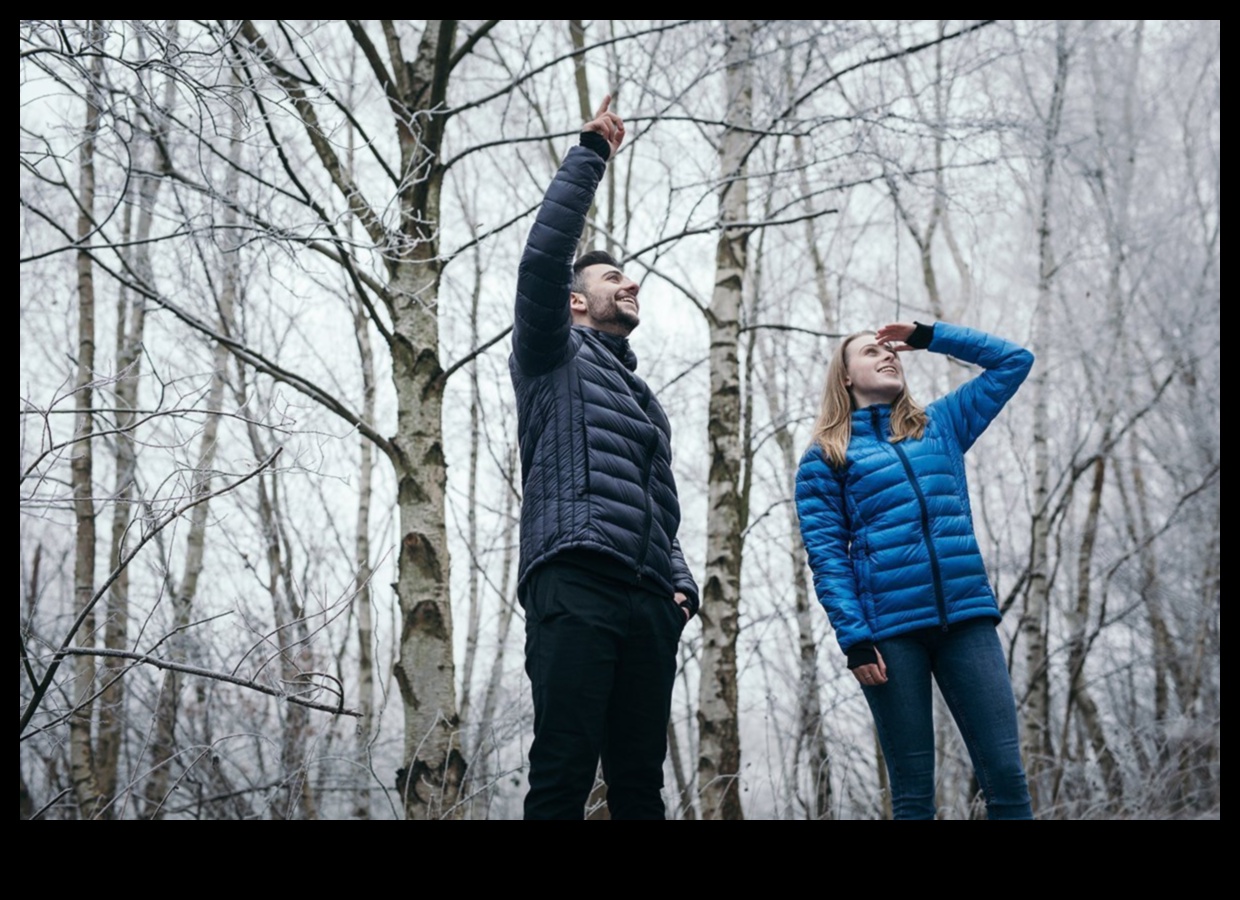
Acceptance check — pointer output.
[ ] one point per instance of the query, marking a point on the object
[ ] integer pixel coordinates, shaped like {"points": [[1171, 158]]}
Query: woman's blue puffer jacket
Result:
{"points": [[596, 453], [890, 535]]}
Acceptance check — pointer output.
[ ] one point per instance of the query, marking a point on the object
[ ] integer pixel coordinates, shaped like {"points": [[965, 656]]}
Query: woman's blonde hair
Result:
{"points": [[833, 430]]}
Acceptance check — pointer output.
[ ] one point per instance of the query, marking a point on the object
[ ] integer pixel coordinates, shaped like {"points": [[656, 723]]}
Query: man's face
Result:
{"points": [[610, 301]]}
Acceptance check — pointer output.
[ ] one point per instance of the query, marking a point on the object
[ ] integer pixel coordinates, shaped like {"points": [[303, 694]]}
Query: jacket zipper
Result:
{"points": [[939, 600], [652, 447]]}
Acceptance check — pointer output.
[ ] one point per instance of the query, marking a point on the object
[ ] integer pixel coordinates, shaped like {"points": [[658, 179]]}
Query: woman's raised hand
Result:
{"points": [[895, 334]]}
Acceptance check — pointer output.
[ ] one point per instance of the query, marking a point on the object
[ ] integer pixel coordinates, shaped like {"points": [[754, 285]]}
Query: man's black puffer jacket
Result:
{"points": [[596, 457]]}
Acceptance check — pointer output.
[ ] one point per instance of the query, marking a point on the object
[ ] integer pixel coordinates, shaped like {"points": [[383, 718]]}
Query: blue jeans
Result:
{"points": [[967, 663]]}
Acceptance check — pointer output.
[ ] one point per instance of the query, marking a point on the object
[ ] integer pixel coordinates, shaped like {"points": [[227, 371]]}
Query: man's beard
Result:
{"points": [[606, 311]]}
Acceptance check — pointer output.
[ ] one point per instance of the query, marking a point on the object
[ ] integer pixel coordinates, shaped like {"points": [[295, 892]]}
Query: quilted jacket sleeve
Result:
{"points": [[542, 325], [974, 405], [823, 513], [682, 578]]}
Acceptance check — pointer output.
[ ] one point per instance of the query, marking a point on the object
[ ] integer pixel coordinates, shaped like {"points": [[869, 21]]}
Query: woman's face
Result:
{"points": [[873, 372]]}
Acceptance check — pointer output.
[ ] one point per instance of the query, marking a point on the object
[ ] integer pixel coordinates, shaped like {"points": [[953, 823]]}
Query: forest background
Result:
{"points": [[269, 484]]}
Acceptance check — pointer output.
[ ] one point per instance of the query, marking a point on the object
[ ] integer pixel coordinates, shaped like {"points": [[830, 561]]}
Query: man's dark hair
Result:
{"points": [[593, 258]]}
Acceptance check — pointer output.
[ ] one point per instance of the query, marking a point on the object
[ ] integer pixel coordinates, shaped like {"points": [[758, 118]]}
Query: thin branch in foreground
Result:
{"points": [[159, 663], [775, 326]]}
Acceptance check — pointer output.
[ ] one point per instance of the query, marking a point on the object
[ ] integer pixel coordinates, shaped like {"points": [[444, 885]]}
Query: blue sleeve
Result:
{"points": [[822, 510], [543, 323], [973, 406]]}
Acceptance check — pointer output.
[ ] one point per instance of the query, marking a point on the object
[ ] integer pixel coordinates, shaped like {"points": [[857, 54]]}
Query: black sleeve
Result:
{"points": [[596, 142], [542, 322], [682, 578]]}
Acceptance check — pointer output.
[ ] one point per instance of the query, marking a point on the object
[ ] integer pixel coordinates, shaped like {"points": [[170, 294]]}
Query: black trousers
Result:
{"points": [[600, 651]]}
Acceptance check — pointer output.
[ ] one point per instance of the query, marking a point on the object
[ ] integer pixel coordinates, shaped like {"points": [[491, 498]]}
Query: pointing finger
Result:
{"points": [[603, 106]]}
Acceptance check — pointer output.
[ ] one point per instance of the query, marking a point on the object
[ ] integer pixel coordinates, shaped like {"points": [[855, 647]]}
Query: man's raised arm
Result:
{"points": [[543, 322]]}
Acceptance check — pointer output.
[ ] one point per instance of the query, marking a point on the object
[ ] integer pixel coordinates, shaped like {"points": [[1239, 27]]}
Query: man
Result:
{"points": [[604, 585]]}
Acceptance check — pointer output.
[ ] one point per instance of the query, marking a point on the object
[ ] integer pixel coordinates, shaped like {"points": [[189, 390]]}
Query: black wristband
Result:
{"points": [[862, 655], [592, 140], [921, 337]]}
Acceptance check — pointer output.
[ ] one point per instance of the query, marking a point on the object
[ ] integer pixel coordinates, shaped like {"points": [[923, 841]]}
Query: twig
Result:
{"points": [[50, 803]]}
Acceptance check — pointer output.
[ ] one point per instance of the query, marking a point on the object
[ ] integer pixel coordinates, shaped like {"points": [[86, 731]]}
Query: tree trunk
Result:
{"points": [[130, 330], [720, 752], [429, 782], [362, 598], [1035, 736], [81, 751], [474, 615]]}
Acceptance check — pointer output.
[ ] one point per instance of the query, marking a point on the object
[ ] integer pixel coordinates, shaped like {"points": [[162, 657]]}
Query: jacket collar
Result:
{"points": [[874, 419], [619, 346]]}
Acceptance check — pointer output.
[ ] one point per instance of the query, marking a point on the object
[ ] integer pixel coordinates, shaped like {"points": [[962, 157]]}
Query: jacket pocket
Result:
{"points": [[862, 576], [583, 487]]}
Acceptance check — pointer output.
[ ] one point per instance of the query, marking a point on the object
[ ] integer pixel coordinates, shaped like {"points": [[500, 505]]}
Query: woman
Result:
{"points": [[885, 515]]}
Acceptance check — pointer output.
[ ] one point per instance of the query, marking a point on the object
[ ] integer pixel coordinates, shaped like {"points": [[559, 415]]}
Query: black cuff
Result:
{"points": [[592, 140], [921, 337], [862, 655]]}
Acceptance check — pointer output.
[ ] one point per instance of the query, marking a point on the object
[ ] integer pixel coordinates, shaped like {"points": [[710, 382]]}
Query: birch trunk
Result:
{"points": [[81, 750], [430, 779], [474, 615], [362, 598], [130, 331], [719, 752], [1035, 726]]}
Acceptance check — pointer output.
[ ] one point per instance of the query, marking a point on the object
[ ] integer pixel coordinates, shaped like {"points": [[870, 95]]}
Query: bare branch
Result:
{"points": [[470, 41], [349, 189], [472, 354], [167, 664]]}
